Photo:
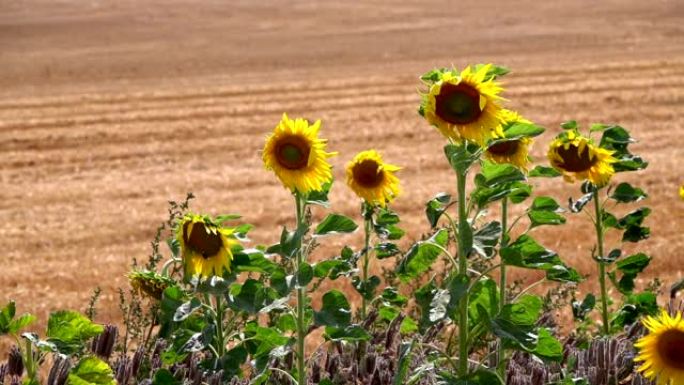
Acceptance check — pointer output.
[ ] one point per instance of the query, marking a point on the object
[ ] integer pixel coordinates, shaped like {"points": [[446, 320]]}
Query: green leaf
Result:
{"points": [[516, 193], [404, 363], [335, 224], [581, 309], [335, 310], [251, 296], [266, 339], [483, 296], [526, 252], [366, 288], [6, 316], [424, 296], [544, 172], [69, 330], [636, 305], [320, 198], [548, 347], [233, 360], [520, 130], [577, 206], [625, 193], [165, 377], [386, 249], [304, 275], [91, 371], [290, 242], [486, 238], [462, 156], [544, 211], [435, 207], [479, 377], [252, 260], [569, 125], [21, 322], [617, 139], [493, 174], [422, 255], [629, 268], [348, 333], [525, 311]]}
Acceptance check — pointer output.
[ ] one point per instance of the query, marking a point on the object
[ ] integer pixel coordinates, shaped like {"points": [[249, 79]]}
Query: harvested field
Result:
{"points": [[109, 109]]}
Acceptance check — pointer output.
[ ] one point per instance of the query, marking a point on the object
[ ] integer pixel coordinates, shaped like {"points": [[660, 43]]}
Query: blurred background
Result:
{"points": [[108, 109]]}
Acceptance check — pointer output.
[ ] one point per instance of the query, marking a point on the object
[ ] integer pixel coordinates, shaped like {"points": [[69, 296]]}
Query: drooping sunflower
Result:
{"points": [[372, 179], [662, 350], [464, 105], [149, 283], [516, 151], [579, 159], [205, 246], [297, 156]]}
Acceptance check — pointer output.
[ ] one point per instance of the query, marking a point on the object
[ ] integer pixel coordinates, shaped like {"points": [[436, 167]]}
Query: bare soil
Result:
{"points": [[110, 108]]}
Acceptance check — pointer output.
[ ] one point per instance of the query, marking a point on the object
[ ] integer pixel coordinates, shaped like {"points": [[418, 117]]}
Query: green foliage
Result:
{"points": [[10, 325], [69, 330], [526, 252], [335, 224], [92, 371], [422, 255]]}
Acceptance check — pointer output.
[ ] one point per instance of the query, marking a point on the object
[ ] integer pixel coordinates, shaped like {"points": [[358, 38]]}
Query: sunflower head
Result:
{"points": [[681, 191], [463, 105], [661, 351], [205, 246], [513, 148], [372, 179], [297, 156], [579, 159], [149, 283]]}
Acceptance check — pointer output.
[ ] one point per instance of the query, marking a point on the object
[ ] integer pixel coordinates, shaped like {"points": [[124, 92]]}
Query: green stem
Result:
{"points": [[501, 361], [30, 370], [366, 251], [463, 269], [598, 221], [220, 338], [301, 298]]}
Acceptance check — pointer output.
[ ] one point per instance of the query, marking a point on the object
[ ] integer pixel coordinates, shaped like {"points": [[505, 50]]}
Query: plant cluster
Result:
{"points": [[219, 312]]}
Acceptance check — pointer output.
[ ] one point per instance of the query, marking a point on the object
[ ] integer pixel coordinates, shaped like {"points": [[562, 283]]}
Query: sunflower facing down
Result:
{"points": [[205, 246], [149, 283], [464, 105], [372, 179], [662, 350], [578, 159], [515, 151], [297, 156]]}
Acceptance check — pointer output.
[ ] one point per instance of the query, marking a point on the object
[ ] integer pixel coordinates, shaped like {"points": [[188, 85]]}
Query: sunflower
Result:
{"points": [[149, 283], [662, 350], [372, 179], [205, 246], [681, 191], [514, 151], [464, 105], [297, 156], [578, 159]]}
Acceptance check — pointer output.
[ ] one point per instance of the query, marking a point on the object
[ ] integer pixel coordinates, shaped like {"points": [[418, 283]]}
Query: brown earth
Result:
{"points": [[109, 109]]}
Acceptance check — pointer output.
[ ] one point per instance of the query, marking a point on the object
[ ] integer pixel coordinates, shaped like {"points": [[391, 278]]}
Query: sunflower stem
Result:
{"points": [[366, 252], [463, 269], [220, 338], [601, 265], [301, 293], [501, 359]]}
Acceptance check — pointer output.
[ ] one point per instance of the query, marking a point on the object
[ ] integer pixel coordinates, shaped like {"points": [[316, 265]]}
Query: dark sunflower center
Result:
{"points": [[207, 244], [575, 161], [671, 348], [293, 153], [504, 148], [367, 173], [458, 104]]}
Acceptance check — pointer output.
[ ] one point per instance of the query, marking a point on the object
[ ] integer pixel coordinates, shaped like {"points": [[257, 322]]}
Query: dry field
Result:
{"points": [[110, 108]]}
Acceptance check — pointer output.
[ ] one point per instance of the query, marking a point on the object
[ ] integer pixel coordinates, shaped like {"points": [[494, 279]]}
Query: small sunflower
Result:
{"points": [[464, 105], [149, 283], [514, 151], [372, 179], [297, 156], [578, 159], [681, 191], [205, 246], [662, 350]]}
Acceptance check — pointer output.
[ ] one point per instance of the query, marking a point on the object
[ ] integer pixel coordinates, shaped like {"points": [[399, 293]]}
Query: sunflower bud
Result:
{"points": [[149, 283], [15, 363]]}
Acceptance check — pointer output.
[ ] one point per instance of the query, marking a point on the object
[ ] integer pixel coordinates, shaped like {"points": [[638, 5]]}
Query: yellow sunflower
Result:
{"points": [[464, 105], [662, 350], [297, 156], [372, 179], [578, 159], [515, 151], [681, 191], [205, 246]]}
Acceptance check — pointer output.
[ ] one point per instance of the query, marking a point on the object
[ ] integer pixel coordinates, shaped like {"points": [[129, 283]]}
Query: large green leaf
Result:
{"points": [[462, 156], [335, 224], [625, 193], [483, 296], [544, 172], [493, 174], [348, 333], [544, 211], [486, 238], [69, 330], [422, 255], [617, 139], [629, 268], [91, 371], [526, 252], [263, 340], [516, 192], [335, 310], [436, 206]]}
